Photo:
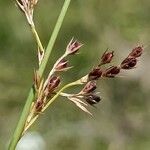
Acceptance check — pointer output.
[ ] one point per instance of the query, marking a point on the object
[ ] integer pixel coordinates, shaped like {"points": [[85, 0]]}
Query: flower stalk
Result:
{"points": [[40, 48]]}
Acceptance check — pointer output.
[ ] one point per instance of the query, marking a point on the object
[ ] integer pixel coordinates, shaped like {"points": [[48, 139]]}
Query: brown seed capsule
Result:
{"points": [[129, 63], [136, 52], [107, 57], [53, 83], [73, 47], [61, 65], [111, 71], [92, 99], [89, 87], [95, 74], [39, 106]]}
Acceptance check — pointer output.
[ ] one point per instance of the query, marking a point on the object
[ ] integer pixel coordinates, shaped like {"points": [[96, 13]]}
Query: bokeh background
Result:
{"points": [[122, 119]]}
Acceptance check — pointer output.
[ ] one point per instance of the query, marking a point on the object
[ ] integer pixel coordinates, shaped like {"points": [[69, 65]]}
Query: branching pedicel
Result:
{"points": [[46, 91]]}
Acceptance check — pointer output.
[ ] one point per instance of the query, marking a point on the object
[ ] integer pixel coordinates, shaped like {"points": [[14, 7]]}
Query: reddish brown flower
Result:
{"points": [[62, 65], [53, 83], [111, 71], [129, 63], [136, 52], [107, 57], [95, 74], [92, 99], [73, 47], [39, 106], [89, 87]]}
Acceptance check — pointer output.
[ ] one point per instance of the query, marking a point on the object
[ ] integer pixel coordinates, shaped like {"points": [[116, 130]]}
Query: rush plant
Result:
{"points": [[45, 91]]}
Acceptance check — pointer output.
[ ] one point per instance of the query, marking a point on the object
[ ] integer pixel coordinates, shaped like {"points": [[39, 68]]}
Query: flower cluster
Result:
{"points": [[44, 90], [131, 61], [27, 6], [88, 94]]}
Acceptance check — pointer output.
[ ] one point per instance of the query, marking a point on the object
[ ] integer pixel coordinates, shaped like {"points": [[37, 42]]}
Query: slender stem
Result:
{"points": [[37, 38], [51, 101], [20, 126], [54, 36]]}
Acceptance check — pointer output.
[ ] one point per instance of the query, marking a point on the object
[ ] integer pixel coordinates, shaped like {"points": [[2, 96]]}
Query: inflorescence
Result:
{"points": [[46, 90], [88, 95]]}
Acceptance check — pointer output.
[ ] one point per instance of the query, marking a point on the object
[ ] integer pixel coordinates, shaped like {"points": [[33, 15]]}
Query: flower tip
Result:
{"points": [[63, 64], [129, 63], [136, 52], [73, 47], [107, 57]]}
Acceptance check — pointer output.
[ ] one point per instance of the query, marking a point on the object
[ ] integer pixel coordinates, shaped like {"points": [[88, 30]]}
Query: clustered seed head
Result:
{"points": [[27, 6], [87, 95], [88, 92], [131, 61], [47, 89]]}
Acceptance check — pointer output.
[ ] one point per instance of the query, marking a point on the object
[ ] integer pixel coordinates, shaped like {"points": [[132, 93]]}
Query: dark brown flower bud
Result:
{"points": [[107, 57], [92, 99], [89, 87], [73, 47], [62, 65], [111, 71], [136, 52], [129, 63], [39, 106], [95, 74], [53, 83]]}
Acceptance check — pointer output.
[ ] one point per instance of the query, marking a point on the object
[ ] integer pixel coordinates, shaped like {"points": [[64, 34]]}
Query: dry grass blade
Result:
{"points": [[80, 104]]}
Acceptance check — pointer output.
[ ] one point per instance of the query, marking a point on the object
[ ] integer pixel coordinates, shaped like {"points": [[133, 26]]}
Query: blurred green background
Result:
{"points": [[122, 119]]}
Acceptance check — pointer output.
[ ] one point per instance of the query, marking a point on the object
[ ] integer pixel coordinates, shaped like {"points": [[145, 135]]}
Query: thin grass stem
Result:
{"points": [[39, 43]]}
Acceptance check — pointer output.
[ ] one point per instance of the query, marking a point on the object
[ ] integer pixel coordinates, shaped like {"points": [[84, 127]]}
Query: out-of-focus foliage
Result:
{"points": [[122, 119]]}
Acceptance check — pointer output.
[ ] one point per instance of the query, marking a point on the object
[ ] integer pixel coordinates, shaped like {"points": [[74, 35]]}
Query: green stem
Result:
{"points": [[20, 126], [37, 38], [54, 36]]}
